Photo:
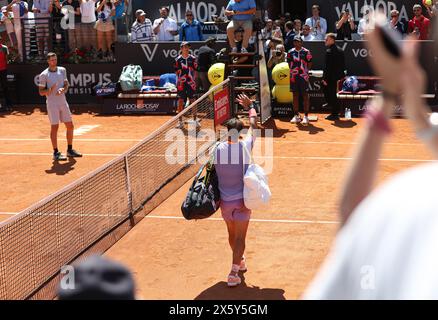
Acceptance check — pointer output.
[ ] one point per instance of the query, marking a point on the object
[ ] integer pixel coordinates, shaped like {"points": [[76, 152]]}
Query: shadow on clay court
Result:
{"points": [[278, 132], [344, 124], [220, 291], [61, 168], [310, 128]]}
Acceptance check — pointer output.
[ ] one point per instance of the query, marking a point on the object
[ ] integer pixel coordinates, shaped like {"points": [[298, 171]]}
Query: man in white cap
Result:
{"points": [[141, 30]]}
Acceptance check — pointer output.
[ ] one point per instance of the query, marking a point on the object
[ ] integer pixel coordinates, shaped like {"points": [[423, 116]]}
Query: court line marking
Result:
{"points": [[138, 140], [261, 157], [182, 218], [85, 129]]}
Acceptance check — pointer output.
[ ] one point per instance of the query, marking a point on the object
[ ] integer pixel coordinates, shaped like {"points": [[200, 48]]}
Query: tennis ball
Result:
{"points": [[281, 73], [427, 3], [216, 73], [282, 93]]}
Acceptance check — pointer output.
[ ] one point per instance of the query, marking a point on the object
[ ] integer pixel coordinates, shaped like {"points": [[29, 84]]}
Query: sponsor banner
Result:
{"points": [[156, 58], [331, 9], [202, 10], [139, 106], [81, 79], [222, 110]]}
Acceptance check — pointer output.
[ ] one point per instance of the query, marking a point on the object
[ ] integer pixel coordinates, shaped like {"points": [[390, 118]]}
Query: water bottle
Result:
{"points": [[266, 15], [347, 114]]}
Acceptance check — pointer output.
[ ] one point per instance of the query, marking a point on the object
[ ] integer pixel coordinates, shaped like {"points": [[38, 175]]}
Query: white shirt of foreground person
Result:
{"points": [[168, 25], [388, 248]]}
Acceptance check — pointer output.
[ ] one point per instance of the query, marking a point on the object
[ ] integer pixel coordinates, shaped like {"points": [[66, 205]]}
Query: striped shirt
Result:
{"points": [[141, 32]]}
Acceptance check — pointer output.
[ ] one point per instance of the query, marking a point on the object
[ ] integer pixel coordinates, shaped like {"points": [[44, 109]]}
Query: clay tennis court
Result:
{"points": [[176, 259]]}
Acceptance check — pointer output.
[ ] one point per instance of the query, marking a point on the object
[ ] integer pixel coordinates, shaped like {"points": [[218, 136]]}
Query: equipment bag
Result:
{"points": [[256, 192], [131, 78], [203, 198]]}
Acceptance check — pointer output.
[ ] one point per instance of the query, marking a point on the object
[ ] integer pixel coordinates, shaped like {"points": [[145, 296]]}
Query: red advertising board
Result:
{"points": [[222, 110]]}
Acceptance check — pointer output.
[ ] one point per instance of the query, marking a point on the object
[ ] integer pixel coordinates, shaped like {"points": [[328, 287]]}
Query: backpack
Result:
{"points": [[203, 198], [131, 78]]}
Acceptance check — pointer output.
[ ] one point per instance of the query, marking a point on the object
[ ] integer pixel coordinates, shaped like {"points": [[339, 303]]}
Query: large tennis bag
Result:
{"points": [[203, 198], [131, 78]]}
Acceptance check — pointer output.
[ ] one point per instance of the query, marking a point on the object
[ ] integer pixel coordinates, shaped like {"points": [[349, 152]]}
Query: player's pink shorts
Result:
{"points": [[235, 211]]}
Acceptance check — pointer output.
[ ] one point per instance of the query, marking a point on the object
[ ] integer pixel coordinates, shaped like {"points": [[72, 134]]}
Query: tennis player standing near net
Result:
{"points": [[53, 84], [230, 168]]}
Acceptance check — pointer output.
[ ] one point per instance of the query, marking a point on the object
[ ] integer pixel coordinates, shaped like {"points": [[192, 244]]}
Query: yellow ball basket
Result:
{"points": [[282, 94], [281, 74], [216, 73]]}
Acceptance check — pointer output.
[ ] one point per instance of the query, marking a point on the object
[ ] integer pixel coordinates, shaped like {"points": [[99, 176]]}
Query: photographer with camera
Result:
{"points": [[345, 26], [277, 56]]}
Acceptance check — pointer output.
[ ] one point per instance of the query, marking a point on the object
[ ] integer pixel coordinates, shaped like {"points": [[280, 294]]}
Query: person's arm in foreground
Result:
{"points": [[362, 173]]}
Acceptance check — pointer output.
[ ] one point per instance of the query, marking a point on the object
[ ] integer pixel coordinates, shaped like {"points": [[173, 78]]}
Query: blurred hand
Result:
{"points": [[324, 82], [384, 64], [244, 101]]}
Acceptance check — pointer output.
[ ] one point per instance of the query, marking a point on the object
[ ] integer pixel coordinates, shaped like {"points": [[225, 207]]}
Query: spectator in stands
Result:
{"points": [[41, 9], [298, 24], [300, 62], [73, 34], [334, 71], [186, 65], [419, 25], [383, 248], [19, 10], [364, 23], [289, 36], [98, 278], [317, 24], [141, 30], [3, 77], [121, 26], [267, 31], [165, 28], [433, 10], [241, 13], [59, 36], [206, 58], [395, 22], [88, 20], [345, 26], [279, 25], [306, 35], [191, 29], [6, 19], [105, 28]]}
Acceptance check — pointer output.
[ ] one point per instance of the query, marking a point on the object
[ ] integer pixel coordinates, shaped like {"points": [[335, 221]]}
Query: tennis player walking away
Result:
{"points": [[53, 84], [230, 171], [186, 65]]}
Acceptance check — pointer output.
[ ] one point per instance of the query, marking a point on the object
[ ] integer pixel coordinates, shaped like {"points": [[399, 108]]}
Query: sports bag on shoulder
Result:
{"points": [[131, 78], [203, 198]]}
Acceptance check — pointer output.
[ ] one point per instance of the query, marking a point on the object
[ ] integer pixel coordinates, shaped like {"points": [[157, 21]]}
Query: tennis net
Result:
{"points": [[94, 212]]}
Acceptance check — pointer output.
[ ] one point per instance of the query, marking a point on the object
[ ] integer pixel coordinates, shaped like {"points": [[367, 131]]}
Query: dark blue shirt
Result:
{"points": [[191, 32]]}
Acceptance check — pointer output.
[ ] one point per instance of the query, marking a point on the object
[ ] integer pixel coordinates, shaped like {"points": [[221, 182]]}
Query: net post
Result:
{"points": [[129, 191]]}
